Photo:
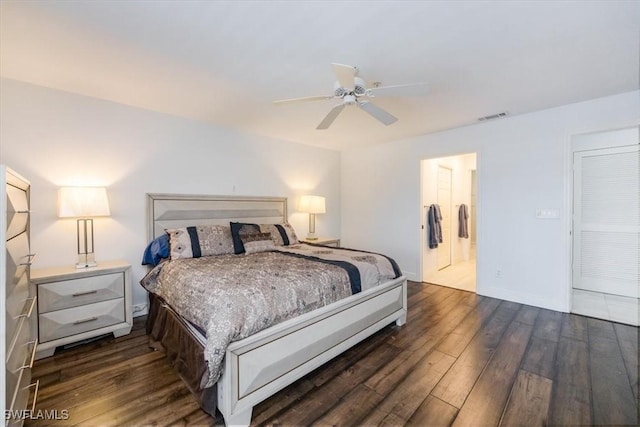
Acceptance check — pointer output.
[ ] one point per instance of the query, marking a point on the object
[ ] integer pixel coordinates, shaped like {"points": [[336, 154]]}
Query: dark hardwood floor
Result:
{"points": [[461, 359]]}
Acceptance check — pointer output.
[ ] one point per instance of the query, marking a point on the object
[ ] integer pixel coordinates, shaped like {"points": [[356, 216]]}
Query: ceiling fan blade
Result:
{"points": [[345, 75], [413, 89], [330, 117], [377, 112], [303, 99]]}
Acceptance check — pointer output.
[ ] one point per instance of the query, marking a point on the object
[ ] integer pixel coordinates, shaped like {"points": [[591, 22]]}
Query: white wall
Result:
{"points": [[461, 167], [522, 166], [55, 138]]}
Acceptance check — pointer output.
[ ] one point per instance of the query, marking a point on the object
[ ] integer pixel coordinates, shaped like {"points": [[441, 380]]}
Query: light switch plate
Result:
{"points": [[547, 213]]}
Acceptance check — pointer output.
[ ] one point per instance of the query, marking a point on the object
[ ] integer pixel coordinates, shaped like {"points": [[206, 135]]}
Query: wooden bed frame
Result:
{"points": [[262, 364]]}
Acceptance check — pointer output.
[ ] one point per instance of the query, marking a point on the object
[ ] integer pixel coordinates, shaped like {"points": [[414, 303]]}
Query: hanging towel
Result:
{"points": [[438, 222], [463, 214], [434, 231]]}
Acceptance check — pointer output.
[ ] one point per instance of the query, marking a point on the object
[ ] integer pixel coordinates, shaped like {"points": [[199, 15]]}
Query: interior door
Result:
{"points": [[606, 230], [444, 201]]}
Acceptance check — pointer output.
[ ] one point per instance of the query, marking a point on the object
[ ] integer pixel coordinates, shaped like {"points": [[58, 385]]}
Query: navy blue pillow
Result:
{"points": [[238, 229], [156, 251]]}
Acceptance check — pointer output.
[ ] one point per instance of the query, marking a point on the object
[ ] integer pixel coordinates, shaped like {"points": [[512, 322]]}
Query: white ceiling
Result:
{"points": [[225, 61]]}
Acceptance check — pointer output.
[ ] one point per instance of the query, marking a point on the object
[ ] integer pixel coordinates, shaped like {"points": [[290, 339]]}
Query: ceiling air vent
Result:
{"points": [[494, 116]]}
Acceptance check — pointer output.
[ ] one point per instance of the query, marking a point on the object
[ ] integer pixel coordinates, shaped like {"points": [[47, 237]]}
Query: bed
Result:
{"points": [[262, 363]]}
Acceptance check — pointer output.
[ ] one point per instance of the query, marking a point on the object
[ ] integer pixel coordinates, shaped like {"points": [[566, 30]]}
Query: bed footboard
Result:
{"points": [[260, 365]]}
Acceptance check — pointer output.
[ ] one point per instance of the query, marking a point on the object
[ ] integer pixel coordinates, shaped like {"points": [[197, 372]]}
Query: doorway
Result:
{"points": [[449, 184], [606, 225]]}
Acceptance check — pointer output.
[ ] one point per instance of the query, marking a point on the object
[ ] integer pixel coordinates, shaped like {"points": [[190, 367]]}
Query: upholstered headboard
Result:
{"points": [[181, 210]]}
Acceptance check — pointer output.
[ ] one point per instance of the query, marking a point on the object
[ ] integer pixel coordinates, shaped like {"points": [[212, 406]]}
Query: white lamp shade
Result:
{"points": [[82, 202], [312, 204]]}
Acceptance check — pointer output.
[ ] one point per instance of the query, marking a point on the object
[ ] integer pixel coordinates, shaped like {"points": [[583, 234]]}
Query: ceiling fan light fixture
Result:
{"points": [[349, 99], [360, 86]]}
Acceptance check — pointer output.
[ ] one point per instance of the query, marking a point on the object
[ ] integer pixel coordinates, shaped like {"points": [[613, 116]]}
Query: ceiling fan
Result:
{"points": [[351, 89]]}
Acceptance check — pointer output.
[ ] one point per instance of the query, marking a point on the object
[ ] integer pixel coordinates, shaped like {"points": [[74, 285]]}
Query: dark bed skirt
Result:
{"points": [[167, 332]]}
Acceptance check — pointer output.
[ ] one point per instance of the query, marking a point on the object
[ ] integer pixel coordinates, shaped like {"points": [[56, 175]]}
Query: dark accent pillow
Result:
{"points": [[237, 230], [156, 251]]}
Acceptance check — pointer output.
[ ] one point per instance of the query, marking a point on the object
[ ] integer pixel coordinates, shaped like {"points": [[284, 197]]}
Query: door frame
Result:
{"points": [[420, 226], [570, 149]]}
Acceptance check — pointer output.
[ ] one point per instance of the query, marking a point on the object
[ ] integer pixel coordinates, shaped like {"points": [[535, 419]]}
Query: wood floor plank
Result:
{"points": [[574, 327], [60, 392], [529, 401], [390, 375], [433, 412], [391, 420], [142, 405], [628, 341], [540, 357], [461, 336], [198, 418], [459, 380], [355, 406], [487, 399], [318, 401], [434, 305], [613, 399], [600, 328], [571, 401], [287, 397], [409, 394], [527, 314], [444, 324], [100, 398], [173, 409], [548, 325]]}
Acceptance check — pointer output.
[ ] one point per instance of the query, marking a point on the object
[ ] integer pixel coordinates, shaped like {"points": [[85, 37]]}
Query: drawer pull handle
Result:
{"points": [[23, 212], [33, 356], [79, 294], [30, 261], [28, 313], [35, 394], [90, 319]]}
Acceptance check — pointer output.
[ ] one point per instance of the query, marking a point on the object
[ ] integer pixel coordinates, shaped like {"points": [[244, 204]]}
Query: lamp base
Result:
{"points": [[311, 238], [86, 260]]}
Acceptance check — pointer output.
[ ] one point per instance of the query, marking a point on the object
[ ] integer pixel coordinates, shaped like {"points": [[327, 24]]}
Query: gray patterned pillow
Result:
{"points": [[257, 242], [196, 242], [281, 234]]}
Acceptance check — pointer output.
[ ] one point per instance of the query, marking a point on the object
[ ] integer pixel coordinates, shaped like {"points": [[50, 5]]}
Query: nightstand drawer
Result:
{"points": [[73, 321], [76, 292]]}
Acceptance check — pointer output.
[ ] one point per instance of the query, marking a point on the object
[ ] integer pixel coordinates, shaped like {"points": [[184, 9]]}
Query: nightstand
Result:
{"points": [[327, 241], [77, 304]]}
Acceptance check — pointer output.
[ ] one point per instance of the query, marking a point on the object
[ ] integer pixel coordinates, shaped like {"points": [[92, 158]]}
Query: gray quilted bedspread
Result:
{"points": [[231, 297]]}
